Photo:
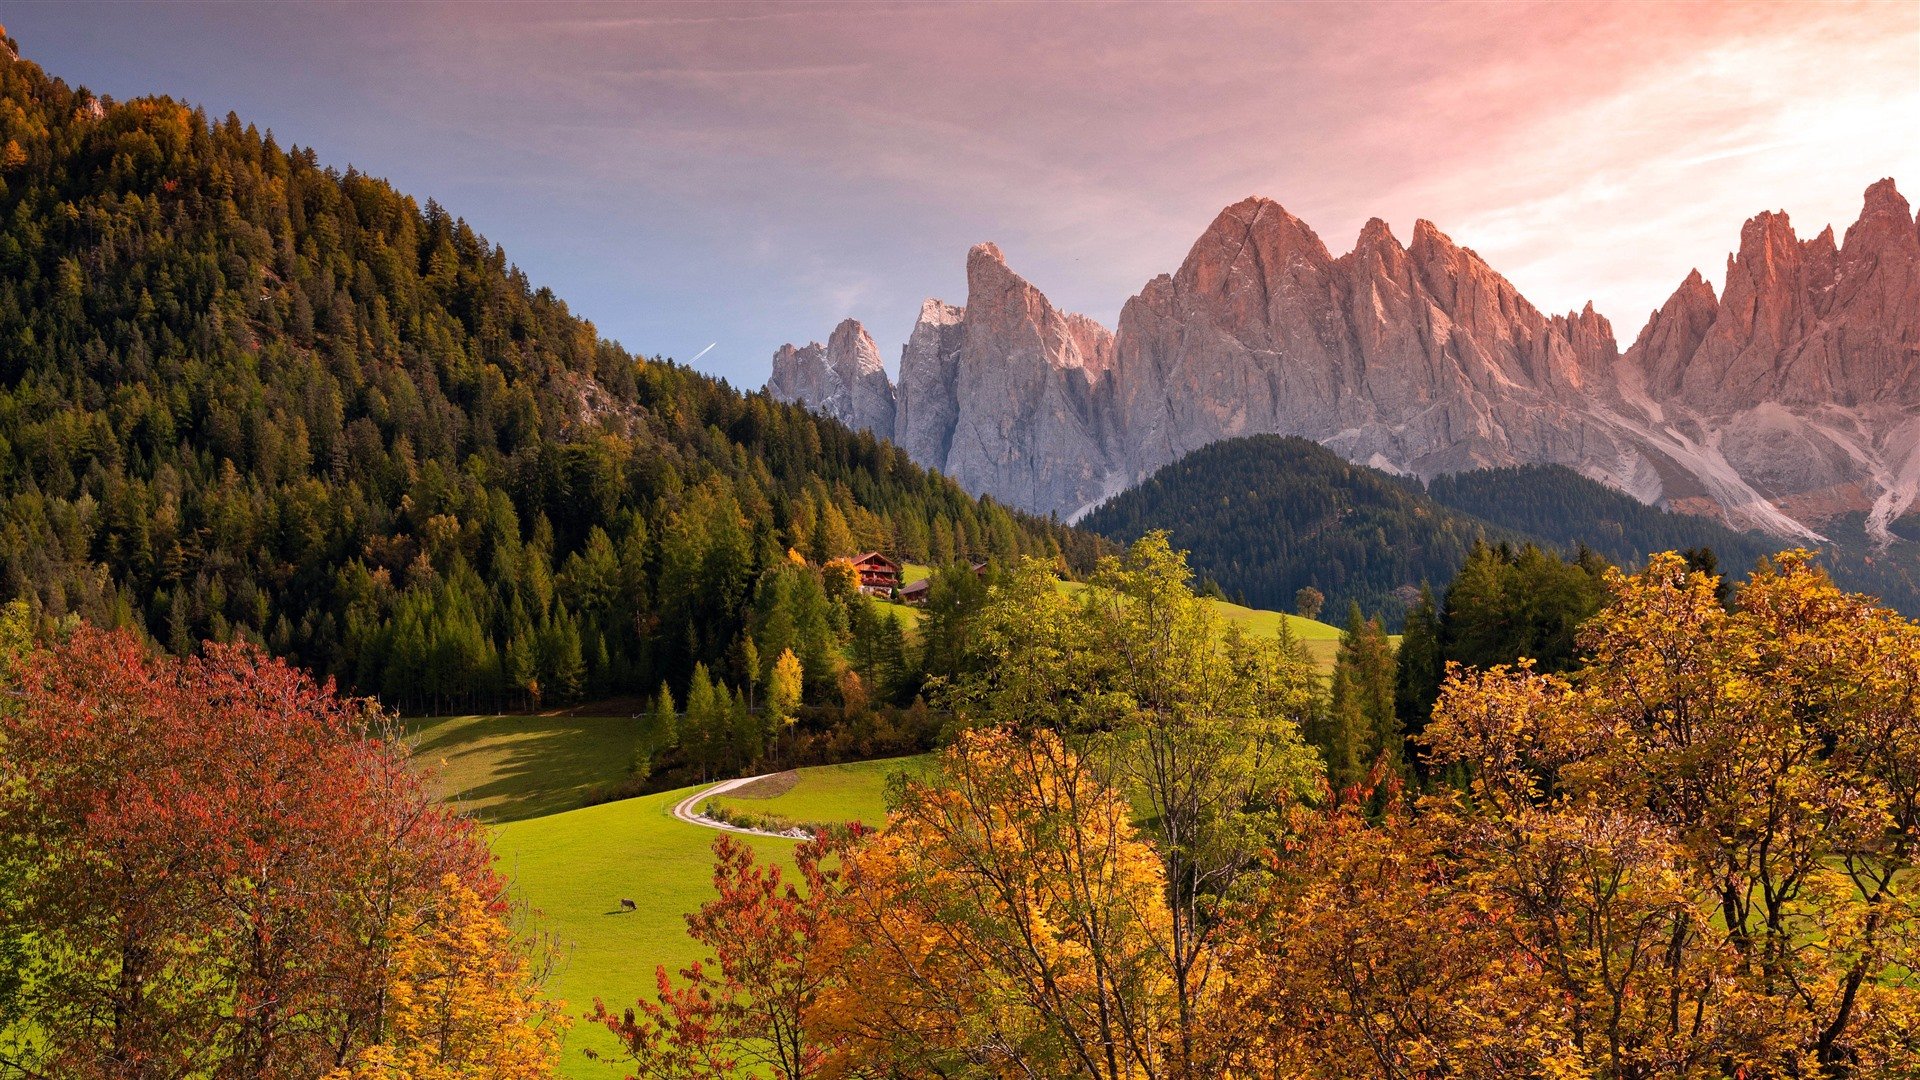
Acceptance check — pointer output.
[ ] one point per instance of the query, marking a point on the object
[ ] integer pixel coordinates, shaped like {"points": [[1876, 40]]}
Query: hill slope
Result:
{"points": [[244, 395], [1267, 515]]}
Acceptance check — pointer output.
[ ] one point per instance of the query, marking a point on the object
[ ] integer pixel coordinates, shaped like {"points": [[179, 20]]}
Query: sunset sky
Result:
{"points": [[751, 175]]}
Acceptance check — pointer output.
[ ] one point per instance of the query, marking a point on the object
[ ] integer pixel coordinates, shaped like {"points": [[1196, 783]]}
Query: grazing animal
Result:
{"points": [[627, 905]]}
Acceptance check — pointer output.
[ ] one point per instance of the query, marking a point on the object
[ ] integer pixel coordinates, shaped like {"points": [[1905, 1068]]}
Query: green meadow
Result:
{"points": [[573, 869], [828, 795], [572, 865], [505, 768], [531, 777]]}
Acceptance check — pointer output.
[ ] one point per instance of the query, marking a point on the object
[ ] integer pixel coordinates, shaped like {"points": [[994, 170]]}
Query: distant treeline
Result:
{"points": [[1267, 516]]}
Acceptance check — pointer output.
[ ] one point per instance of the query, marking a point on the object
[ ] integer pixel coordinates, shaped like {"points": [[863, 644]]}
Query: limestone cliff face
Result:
{"points": [[929, 401], [844, 379], [1007, 395], [1791, 396], [1802, 378], [1415, 359], [1030, 391]]}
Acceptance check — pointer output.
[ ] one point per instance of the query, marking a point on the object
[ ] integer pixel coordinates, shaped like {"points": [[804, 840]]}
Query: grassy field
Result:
{"points": [[574, 868], [505, 768], [827, 795], [1321, 639]]}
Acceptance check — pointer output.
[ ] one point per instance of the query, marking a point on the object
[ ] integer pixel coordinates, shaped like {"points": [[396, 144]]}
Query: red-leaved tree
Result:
{"points": [[221, 851], [739, 1015]]}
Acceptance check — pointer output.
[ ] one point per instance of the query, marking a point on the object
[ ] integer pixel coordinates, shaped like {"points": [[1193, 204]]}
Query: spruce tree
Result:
{"points": [[1362, 727], [665, 722], [701, 729], [746, 737], [1418, 669]]}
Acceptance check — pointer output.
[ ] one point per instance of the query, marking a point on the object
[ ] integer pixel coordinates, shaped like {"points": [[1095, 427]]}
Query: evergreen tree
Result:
{"points": [[1362, 727], [1418, 669], [665, 718], [703, 735], [954, 597], [746, 736], [898, 681]]}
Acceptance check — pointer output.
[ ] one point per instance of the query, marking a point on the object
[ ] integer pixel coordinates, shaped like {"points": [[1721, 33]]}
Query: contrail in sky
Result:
{"points": [[703, 352]]}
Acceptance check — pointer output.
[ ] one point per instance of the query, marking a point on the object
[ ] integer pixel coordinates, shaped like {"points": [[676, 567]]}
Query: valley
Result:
{"points": [[1323, 666]]}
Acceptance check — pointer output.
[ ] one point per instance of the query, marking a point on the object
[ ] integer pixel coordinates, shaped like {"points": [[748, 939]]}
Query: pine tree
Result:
{"points": [[746, 736], [1362, 727], [564, 665], [892, 667], [665, 722], [701, 732], [1418, 669], [749, 656]]}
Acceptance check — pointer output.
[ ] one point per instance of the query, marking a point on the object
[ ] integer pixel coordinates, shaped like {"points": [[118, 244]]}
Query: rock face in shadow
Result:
{"points": [[1791, 396], [1029, 391]]}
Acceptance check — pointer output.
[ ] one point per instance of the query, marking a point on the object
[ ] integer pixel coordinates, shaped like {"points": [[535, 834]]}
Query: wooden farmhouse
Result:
{"points": [[879, 575]]}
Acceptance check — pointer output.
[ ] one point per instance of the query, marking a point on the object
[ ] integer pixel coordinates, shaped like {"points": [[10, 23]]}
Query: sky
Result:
{"points": [[746, 175]]}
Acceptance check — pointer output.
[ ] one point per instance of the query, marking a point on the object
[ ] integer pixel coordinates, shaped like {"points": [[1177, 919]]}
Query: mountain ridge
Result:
{"points": [[1422, 359]]}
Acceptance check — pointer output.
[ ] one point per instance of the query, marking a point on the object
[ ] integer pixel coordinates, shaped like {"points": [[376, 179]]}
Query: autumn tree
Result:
{"points": [[841, 580], [463, 1001], [783, 693], [1009, 922], [741, 1012], [225, 853], [1682, 858], [1204, 725], [1308, 601]]}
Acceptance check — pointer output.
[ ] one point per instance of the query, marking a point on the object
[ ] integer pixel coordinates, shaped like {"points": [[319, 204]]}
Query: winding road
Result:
{"points": [[687, 810]]}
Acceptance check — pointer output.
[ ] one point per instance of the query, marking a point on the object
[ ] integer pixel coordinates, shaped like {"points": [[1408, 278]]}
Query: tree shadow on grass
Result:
{"points": [[508, 768]]}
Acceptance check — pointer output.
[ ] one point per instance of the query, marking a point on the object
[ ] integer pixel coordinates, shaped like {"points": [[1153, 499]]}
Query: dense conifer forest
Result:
{"points": [[247, 396], [1268, 516]]}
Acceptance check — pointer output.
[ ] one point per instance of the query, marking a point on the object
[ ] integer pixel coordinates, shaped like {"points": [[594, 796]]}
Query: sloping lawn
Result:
{"points": [[827, 795], [574, 868], [505, 768]]}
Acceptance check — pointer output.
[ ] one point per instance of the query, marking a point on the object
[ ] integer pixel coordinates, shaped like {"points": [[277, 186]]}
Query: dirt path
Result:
{"points": [[688, 810]]}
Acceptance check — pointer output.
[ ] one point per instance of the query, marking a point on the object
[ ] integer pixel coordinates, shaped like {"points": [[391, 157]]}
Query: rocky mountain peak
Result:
{"points": [[1886, 226], [939, 313], [854, 347], [1883, 199], [928, 402], [1788, 397], [1376, 234], [844, 379]]}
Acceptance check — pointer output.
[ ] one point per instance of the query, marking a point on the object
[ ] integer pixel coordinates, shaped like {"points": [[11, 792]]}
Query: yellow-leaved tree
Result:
{"points": [[463, 1001], [1007, 923], [1691, 858]]}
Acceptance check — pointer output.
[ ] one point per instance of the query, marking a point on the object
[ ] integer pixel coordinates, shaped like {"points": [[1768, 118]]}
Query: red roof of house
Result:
{"points": [[873, 558]]}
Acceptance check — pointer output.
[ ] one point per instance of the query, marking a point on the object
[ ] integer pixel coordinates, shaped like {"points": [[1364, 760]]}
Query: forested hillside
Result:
{"points": [[1554, 504], [246, 396], [1268, 515]]}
